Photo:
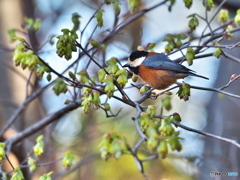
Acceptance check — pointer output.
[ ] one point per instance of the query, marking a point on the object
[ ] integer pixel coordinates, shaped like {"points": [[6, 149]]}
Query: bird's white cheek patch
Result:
{"points": [[136, 62]]}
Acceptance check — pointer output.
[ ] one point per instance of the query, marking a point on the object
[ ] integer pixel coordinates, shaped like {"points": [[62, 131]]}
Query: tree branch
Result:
{"points": [[207, 134], [42, 123]]}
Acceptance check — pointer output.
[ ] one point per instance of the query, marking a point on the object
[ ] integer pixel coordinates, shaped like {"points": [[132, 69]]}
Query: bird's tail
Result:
{"points": [[193, 74]]}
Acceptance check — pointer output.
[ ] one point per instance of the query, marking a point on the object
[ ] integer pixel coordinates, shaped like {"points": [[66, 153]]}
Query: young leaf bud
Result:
{"points": [[143, 89], [32, 164], [112, 69], [169, 47], [67, 160], [168, 93], [152, 144], [103, 47], [234, 77], [223, 16], [67, 101], [99, 17], [237, 18], [151, 111], [109, 79], [101, 75], [107, 106], [229, 35], [36, 25], [188, 3], [134, 78], [166, 129], [193, 23], [217, 53], [18, 175], [76, 22], [84, 77], [112, 61], [208, 4], [46, 176], [190, 55], [167, 103], [150, 46], [174, 143], [133, 5], [60, 87], [116, 7], [38, 148], [71, 75], [109, 89], [122, 72], [140, 48], [122, 80], [163, 149], [96, 98], [178, 43], [176, 117], [2, 152], [94, 42]]}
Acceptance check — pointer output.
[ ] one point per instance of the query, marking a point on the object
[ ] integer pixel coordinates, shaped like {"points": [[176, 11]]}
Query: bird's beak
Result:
{"points": [[126, 65]]}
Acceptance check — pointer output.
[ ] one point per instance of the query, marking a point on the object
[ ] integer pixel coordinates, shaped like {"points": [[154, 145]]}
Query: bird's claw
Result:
{"points": [[152, 95]]}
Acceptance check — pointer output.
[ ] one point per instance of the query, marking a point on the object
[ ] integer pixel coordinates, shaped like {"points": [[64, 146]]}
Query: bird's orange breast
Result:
{"points": [[159, 79]]}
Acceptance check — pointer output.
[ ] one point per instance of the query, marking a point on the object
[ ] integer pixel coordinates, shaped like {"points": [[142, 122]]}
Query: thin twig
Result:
{"points": [[207, 134]]}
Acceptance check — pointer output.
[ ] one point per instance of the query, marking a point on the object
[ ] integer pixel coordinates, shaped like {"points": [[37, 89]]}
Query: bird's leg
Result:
{"points": [[150, 93]]}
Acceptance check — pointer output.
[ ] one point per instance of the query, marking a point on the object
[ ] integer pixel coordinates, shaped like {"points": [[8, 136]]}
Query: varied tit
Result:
{"points": [[157, 69]]}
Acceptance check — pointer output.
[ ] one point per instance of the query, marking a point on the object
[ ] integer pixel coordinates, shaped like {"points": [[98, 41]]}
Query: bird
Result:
{"points": [[157, 69]]}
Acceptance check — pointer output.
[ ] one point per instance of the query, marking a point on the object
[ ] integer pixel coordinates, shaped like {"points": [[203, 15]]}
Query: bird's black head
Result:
{"points": [[137, 54], [135, 59]]}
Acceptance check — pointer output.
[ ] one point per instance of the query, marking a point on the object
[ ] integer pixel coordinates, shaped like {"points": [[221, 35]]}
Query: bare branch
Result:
{"points": [[42, 123], [207, 134]]}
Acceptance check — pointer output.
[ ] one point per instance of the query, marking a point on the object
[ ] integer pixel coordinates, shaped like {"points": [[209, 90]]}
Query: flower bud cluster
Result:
{"points": [[32, 164], [193, 22], [26, 58], [174, 41], [223, 17], [113, 145], [32, 24], [66, 43], [17, 175], [112, 74], [38, 148], [160, 133], [90, 97], [46, 176], [67, 160], [184, 91], [13, 37], [60, 86]]}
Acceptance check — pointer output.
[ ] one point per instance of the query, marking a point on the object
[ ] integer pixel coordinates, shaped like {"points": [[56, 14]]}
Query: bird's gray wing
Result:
{"points": [[162, 62]]}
